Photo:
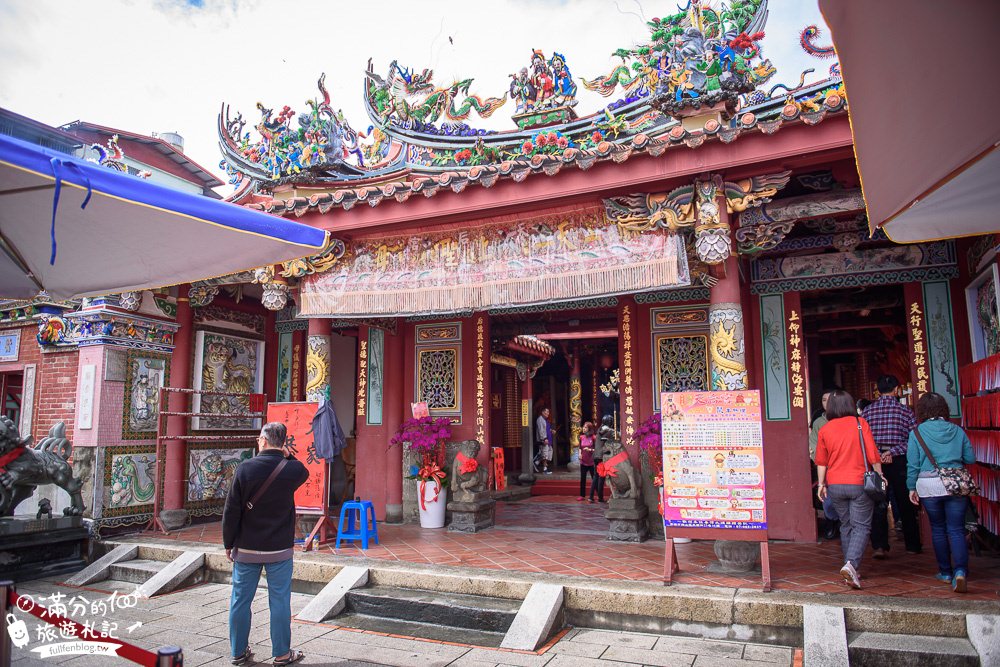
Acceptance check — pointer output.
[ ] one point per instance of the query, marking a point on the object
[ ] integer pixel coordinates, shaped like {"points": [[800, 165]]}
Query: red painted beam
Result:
{"points": [[797, 145]]}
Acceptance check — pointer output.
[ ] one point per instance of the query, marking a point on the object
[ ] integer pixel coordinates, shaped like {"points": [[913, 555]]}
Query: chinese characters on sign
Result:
{"points": [[362, 376], [921, 363], [297, 417], [296, 370], [628, 408], [795, 347], [713, 460], [68, 618], [481, 379]]}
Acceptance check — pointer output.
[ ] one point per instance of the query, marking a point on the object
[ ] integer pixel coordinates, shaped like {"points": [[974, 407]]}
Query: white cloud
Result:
{"points": [[160, 65]]}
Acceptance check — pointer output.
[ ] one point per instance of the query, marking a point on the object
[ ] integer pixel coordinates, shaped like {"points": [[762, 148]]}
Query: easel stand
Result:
{"points": [[320, 529], [670, 564]]}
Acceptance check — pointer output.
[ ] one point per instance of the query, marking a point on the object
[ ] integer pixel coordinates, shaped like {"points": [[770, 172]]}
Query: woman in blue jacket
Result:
{"points": [[950, 448]]}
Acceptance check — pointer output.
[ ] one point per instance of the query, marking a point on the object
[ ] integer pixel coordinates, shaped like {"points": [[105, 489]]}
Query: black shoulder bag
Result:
{"points": [[873, 483]]}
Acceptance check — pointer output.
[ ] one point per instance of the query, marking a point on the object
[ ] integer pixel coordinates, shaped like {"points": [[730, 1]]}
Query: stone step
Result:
{"points": [[137, 571], [892, 650], [453, 610], [433, 631]]}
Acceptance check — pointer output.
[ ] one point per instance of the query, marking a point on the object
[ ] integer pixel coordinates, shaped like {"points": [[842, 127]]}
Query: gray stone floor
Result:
{"points": [[196, 620]]}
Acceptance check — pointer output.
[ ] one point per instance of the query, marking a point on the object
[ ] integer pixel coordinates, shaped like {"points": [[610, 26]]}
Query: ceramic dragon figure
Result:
{"points": [[408, 97], [126, 486], [24, 467]]}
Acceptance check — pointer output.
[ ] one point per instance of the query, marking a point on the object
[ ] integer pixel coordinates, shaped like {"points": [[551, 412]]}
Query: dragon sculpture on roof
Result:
{"points": [[320, 142], [409, 98]]}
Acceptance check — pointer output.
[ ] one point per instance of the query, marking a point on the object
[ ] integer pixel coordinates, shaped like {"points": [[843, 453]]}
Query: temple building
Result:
{"points": [[705, 230]]}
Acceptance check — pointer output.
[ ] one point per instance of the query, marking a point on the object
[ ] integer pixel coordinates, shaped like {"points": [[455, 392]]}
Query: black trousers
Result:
{"points": [[584, 471], [895, 474]]}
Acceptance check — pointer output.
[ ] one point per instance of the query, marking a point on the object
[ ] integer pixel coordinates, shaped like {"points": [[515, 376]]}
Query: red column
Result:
{"points": [[180, 377], [628, 385], [270, 356], [392, 416]]}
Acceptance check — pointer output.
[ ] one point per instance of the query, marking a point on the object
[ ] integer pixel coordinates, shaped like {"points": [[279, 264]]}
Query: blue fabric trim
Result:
{"points": [[56, 164], [116, 184]]}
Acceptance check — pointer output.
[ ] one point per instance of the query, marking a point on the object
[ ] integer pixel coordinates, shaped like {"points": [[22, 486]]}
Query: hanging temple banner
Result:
{"points": [[506, 262]]}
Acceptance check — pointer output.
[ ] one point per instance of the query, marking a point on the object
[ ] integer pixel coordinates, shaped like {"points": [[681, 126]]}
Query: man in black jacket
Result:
{"points": [[258, 531]]}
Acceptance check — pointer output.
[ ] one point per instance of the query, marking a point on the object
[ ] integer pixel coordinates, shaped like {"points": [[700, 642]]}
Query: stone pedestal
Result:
{"points": [[34, 548], [472, 512], [627, 518], [736, 556]]}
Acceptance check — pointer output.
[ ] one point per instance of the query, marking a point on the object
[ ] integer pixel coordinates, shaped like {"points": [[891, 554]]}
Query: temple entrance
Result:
{"points": [[560, 360], [852, 337]]}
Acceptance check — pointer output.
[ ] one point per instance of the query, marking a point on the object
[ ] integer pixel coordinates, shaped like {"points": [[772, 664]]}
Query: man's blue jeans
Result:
{"points": [[246, 576], [947, 517]]}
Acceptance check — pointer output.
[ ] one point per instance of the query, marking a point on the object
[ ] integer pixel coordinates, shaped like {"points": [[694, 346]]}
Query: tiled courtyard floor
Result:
{"points": [[196, 619], [559, 535]]}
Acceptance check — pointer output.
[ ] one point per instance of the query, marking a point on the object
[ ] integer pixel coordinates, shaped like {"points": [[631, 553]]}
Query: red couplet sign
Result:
{"points": [[310, 498]]}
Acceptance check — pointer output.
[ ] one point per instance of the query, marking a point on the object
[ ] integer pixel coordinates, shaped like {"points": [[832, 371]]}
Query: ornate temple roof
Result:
{"points": [[701, 78]]}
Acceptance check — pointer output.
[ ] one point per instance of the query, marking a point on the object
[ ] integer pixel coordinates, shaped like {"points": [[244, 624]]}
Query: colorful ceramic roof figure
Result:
{"points": [[701, 60]]}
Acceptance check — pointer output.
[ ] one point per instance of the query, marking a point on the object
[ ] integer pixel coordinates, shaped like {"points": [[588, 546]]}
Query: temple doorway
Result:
{"points": [[560, 360], [852, 336]]}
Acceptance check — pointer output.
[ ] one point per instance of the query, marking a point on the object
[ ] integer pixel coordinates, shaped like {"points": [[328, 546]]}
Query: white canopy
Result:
{"points": [[923, 97], [75, 229]]}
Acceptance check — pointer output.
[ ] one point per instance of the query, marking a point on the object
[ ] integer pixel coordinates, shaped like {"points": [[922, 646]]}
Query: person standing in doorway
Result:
{"points": [[891, 424], [845, 451], [258, 531], [543, 435], [587, 465]]}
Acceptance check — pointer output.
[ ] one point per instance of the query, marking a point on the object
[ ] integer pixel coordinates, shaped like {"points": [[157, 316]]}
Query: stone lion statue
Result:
{"points": [[618, 471], [467, 475], [25, 467]]}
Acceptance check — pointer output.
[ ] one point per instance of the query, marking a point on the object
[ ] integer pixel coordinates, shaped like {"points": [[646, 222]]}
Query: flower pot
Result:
{"points": [[431, 507]]}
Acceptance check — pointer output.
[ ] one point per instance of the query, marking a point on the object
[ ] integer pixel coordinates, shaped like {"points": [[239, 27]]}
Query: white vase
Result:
{"points": [[432, 509]]}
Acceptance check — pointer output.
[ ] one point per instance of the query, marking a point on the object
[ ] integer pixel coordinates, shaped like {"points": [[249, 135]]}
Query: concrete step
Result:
{"points": [[877, 649], [452, 610], [423, 630], [137, 571]]}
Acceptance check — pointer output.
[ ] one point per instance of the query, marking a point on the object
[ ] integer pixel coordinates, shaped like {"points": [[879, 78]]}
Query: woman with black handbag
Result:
{"points": [[849, 469], [936, 455]]}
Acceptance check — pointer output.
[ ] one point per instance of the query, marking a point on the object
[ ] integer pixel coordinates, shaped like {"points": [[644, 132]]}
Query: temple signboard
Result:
{"points": [[713, 460]]}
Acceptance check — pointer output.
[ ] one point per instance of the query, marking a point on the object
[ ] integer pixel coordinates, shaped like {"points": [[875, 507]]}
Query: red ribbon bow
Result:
{"points": [[430, 472], [466, 464], [8, 457], [607, 468]]}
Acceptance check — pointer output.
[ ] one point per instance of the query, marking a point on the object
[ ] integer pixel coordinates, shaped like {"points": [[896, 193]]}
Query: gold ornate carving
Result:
{"points": [[325, 260]]}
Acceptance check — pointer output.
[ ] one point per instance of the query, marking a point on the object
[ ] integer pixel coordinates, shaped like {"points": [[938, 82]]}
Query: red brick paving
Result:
{"points": [[811, 568]]}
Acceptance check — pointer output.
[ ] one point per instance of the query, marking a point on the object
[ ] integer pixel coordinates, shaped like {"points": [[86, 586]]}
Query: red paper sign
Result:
{"points": [[499, 478], [310, 498]]}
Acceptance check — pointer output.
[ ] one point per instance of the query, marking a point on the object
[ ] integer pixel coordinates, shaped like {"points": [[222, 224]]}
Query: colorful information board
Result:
{"points": [[310, 498], [713, 460]]}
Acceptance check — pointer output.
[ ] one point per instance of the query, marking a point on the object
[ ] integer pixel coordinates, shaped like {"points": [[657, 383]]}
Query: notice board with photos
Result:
{"points": [[713, 470], [311, 497]]}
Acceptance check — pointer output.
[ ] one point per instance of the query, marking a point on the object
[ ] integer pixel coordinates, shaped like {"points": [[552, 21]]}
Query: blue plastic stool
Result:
{"points": [[366, 526]]}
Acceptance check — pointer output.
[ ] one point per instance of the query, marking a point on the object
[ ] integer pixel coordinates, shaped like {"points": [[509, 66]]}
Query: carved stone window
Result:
{"points": [[437, 378], [682, 363]]}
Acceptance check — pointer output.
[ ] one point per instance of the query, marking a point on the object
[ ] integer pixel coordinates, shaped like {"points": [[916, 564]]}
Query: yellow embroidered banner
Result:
{"points": [[514, 261]]}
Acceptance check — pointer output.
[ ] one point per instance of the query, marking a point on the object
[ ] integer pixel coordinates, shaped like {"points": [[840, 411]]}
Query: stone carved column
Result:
{"points": [[527, 475], [725, 316], [318, 360]]}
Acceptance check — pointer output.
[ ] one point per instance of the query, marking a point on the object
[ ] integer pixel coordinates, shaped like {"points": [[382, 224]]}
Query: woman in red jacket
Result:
{"points": [[845, 442]]}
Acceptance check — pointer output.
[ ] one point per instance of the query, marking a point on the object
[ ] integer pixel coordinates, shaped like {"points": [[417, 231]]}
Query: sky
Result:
{"points": [[168, 65]]}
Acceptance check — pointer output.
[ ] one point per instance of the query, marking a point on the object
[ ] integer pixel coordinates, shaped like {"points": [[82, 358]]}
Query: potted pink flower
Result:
{"points": [[648, 437], [425, 438]]}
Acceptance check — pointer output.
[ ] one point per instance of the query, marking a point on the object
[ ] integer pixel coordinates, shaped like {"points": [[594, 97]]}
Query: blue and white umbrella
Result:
{"points": [[75, 229]]}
